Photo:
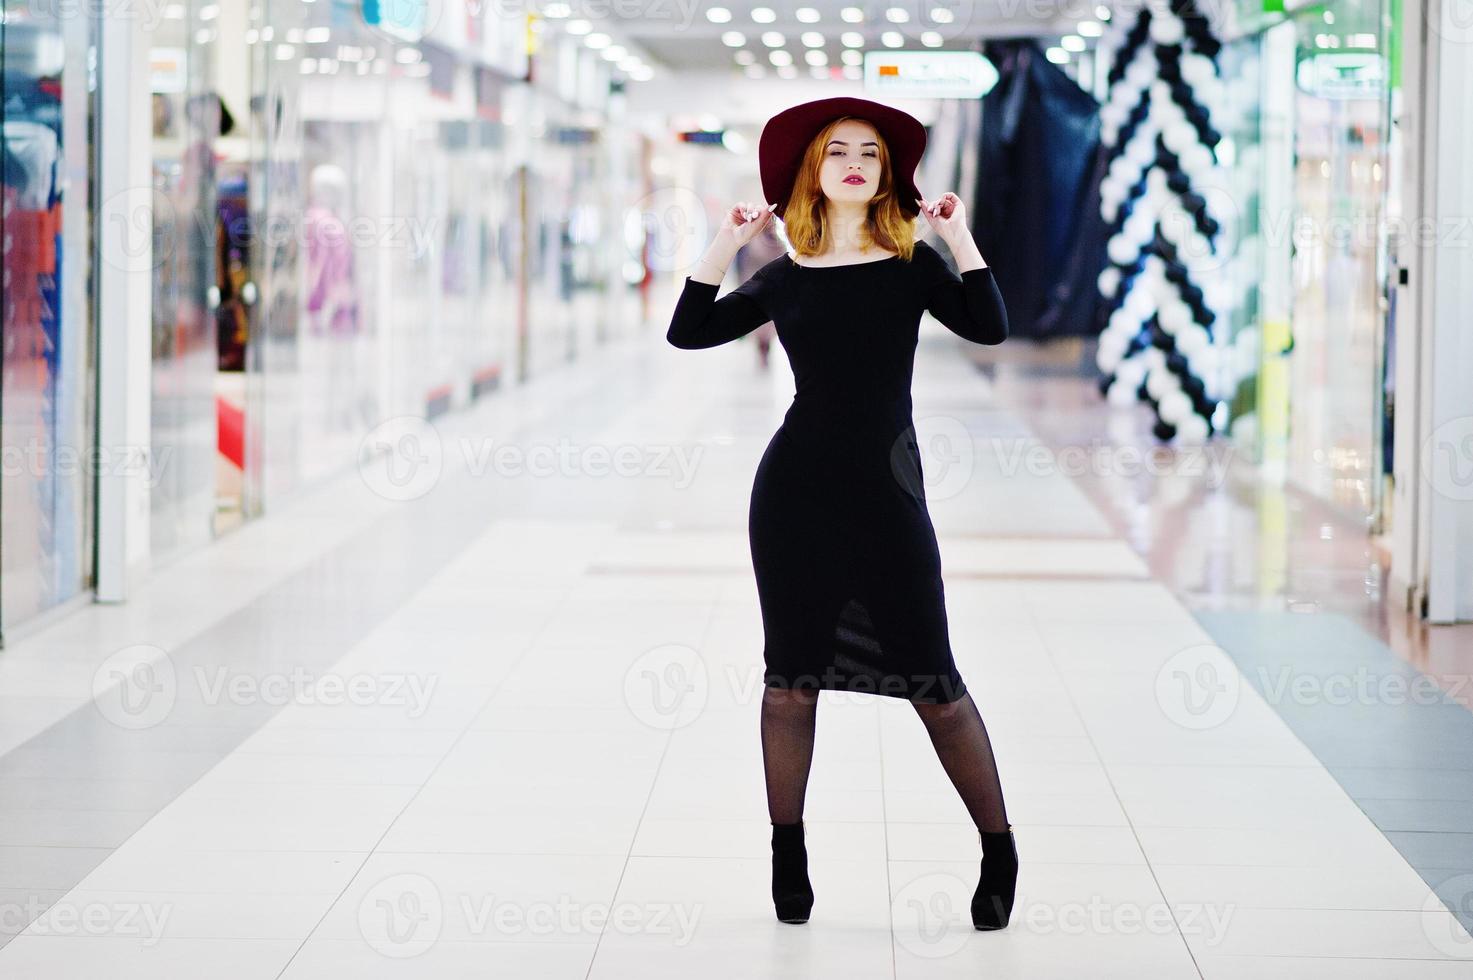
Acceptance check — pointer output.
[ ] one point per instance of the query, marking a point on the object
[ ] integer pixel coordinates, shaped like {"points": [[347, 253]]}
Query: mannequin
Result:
{"points": [[331, 294]]}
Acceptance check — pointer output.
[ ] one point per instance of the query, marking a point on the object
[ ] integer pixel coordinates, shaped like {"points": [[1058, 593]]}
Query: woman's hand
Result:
{"points": [[742, 223], [947, 215], [745, 221]]}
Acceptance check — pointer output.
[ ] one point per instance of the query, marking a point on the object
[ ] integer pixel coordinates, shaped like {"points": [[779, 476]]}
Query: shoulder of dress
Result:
{"points": [[925, 258], [774, 269]]}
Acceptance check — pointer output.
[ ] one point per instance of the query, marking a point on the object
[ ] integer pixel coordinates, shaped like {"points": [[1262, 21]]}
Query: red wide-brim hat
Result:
{"points": [[787, 135]]}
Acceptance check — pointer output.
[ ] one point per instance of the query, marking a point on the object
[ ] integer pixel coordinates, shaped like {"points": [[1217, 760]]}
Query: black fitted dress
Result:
{"points": [[848, 572]]}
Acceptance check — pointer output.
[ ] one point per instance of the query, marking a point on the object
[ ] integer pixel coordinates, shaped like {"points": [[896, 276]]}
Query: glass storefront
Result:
{"points": [[48, 373], [353, 219], [389, 190], [1312, 172], [207, 132], [1342, 113]]}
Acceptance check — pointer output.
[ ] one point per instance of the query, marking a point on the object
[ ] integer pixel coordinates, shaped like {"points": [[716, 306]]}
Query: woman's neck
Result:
{"points": [[847, 229]]}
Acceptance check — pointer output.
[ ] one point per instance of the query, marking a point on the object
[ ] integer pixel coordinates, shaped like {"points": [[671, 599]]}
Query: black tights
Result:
{"points": [[957, 733]]}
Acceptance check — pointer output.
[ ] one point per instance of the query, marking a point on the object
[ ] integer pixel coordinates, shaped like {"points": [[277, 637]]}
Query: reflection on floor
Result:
{"points": [[495, 713]]}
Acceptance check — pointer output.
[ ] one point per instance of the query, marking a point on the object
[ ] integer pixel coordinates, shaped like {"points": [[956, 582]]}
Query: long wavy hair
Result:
{"points": [[804, 221]]}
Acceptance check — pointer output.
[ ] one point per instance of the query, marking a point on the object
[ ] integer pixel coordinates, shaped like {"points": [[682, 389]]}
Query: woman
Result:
{"points": [[845, 556]]}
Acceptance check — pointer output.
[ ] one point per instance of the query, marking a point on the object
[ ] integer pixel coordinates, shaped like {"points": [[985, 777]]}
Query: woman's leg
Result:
{"points": [[965, 752], [789, 718]]}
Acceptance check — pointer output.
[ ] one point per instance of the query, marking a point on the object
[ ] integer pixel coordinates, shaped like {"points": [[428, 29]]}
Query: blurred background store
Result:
{"points": [[357, 211]]}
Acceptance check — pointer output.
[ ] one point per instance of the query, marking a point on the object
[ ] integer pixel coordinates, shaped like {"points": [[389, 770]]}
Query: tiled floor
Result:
{"points": [[503, 724]]}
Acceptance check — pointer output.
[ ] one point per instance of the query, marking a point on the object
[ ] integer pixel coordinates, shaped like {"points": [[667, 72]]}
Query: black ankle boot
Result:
{"points": [[792, 897], [992, 903]]}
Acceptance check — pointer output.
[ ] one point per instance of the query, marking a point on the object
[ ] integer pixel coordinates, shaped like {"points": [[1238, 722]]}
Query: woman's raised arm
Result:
{"points": [[700, 320]]}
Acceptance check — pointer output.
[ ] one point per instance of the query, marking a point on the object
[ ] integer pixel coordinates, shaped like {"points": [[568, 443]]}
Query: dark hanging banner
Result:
{"points": [[1037, 196]]}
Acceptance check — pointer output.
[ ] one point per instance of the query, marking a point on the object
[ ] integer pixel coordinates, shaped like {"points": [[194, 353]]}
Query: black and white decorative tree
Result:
{"points": [[1162, 285]]}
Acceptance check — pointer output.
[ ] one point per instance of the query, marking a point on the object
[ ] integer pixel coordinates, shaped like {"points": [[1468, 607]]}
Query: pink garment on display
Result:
{"points": [[330, 273]]}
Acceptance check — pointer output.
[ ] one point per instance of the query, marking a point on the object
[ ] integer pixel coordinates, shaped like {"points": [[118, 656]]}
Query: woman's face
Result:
{"points": [[850, 172]]}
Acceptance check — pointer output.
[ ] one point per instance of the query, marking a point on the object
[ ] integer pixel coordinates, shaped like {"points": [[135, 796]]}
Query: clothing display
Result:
{"points": [[232, 270], [1037, 195], [846, 560], [332, 296]]}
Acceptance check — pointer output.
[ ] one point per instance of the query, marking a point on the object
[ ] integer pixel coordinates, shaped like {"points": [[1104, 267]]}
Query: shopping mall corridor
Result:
{"points": [[491, 710]]}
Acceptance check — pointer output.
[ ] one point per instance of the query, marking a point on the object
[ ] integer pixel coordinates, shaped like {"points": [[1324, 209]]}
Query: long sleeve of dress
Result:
{"points": [[970, 305], [701, 320]]}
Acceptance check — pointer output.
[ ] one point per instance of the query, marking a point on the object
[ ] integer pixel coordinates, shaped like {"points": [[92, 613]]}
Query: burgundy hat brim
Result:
{"points": [[787, 135]]}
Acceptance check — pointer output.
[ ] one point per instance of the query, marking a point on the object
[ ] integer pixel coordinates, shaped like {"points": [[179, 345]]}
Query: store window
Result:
{"points": [[48, 373], [205, 141], [1341, 112]]}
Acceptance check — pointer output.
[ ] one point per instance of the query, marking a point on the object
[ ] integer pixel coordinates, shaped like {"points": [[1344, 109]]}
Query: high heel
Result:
{"points": [[792, 896], [992, 903]]}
